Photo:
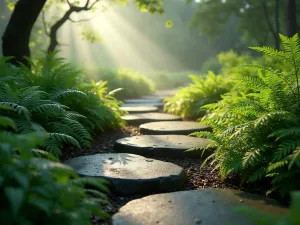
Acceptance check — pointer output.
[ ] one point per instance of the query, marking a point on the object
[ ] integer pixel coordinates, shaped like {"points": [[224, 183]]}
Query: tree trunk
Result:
{"points": [[15, 40], [291, 18], [270, 25], [276, 17]]}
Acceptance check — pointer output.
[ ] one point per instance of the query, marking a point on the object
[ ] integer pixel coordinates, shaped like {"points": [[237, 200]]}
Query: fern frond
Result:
{"points": [[68, 94], [21, 110], [251, 157], [63, 138]]}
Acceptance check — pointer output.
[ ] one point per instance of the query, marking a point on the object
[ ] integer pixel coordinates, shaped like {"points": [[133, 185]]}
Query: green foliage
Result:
{"points": [[169, 80], [133, 84], [52, 97], [36, 190], [211, 64], [261, 218], [251, 19], [188, 100], [257, 133]]}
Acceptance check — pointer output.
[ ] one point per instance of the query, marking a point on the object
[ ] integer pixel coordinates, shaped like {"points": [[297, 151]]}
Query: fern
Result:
{"points": [[188, 101], [257, 129], [51, 97], [42, 190]]}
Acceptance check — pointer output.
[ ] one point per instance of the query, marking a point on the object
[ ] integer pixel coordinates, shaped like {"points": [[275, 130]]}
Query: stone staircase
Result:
{"points": [[130, 172]]}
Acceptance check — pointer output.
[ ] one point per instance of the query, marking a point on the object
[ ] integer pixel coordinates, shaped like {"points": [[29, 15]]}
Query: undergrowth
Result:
{"points": [[256, 133], [187, 101], [52, 97], [36, 189]]}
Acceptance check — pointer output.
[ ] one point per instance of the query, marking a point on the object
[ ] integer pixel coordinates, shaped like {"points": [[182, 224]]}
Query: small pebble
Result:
{"points": [[197, 221]]}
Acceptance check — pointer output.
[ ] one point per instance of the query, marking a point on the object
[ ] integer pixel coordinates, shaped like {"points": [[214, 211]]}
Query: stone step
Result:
{"points": [[154, 97], [141, 101], [140, 109], [130, 174], [140, 118], [172, 127], [156, 104], [205, 207], [173, 146]]}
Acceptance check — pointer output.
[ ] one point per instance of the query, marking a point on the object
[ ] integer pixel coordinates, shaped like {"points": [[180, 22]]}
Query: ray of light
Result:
{"points": [[124, 44]]}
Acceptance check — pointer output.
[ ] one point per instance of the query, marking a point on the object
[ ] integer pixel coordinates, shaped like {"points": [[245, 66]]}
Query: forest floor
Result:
{"points": [[198, 178]]}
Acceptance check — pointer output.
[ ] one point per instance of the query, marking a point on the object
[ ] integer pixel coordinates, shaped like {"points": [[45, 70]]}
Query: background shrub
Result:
{"points": [[169, 80], [206, 89], [133, 84]]}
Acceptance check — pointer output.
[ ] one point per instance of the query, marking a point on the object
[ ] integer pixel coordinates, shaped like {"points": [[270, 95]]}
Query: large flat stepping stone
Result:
{"points": [[138, 119], [172, 127], [173, 146], [140, 109], [141, 101], [130, 174], [205, 207]]}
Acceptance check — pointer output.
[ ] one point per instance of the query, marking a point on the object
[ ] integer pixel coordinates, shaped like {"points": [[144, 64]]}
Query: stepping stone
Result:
{"points": [[205, 207], [140, 109], [172, 127], [173, 146], [130, 174], [153, 97], [138, 119], [157, 104], [141, 101]]}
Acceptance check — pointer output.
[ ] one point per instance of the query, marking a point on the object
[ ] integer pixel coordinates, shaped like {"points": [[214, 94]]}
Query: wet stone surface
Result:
{"points": [[157, 104], [142, 100], [140, 109], [140, 118], [205, 207], [129, 173], [172, 127], [173, 146]]}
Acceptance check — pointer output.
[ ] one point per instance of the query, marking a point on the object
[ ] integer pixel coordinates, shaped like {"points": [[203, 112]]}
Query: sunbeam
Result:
{"points": [[122, 44]]}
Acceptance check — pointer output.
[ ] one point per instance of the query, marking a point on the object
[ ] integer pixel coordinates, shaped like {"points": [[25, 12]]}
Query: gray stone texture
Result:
{"points": [[205, 207], [140, 109], [172, 127], [140, 118], [130, 174], [173, 146]]}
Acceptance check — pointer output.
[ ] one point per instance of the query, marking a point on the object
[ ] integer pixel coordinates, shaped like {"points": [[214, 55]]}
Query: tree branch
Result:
{"points": [[93, 4], [81, 20], [270, 25], [54, 29], [44, 23]]}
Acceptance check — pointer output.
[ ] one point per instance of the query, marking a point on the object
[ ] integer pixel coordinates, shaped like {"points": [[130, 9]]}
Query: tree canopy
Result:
{"points": [[260, 21]]}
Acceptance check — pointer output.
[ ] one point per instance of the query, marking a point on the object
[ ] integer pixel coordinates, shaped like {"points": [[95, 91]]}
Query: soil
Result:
{"points": [[198, 178]]}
